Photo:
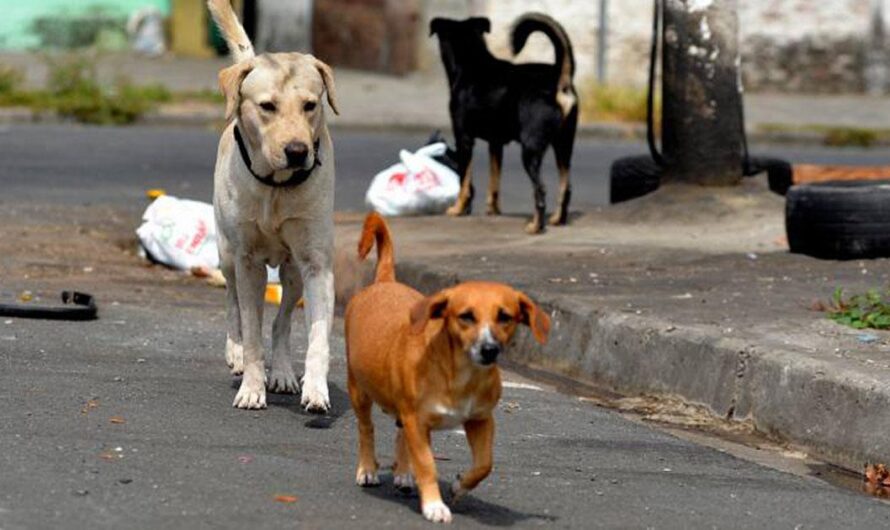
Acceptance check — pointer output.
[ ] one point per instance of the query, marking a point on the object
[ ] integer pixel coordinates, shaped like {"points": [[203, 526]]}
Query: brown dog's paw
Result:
{"points": [[404, 483], [457, 490], [366, 479], [436, 512]]}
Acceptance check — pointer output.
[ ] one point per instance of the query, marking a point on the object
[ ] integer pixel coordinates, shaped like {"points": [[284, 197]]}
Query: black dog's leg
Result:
{"points": [[495, 157], [531, 159], [464, 203], [562, 148]]}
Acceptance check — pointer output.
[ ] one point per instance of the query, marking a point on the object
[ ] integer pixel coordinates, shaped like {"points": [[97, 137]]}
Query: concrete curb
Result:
{"points": [[841, 417]]}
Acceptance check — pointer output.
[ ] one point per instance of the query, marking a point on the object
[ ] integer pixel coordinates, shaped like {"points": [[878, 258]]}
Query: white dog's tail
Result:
{"points": [[232, 30]]}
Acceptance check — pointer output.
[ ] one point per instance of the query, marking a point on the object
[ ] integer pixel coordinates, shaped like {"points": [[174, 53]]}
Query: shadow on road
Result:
{"points": [[291, 402], [482, 512]]}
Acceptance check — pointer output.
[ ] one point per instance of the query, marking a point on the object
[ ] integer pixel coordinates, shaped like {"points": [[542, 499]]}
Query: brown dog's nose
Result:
{"points": [[296, 153], [490, 353]]}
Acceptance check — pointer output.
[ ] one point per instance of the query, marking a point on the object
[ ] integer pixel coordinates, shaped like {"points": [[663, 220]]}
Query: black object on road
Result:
{"points": [[75, 306], [839, 219], [703, 137]]}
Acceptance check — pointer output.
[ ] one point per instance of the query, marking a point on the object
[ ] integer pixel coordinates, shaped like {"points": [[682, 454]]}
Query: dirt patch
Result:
{"points": [[49, 248]]}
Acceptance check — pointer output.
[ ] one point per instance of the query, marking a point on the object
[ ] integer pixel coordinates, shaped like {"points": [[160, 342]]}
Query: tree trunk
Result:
{"points": [[701, 92]]}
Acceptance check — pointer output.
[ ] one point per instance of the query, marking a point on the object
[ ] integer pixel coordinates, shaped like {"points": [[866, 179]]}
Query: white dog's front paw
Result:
{"points": [[234, 356], [315, 395], [283, 381], [437, 512], [404, 483], [252, 394], [365, 478]]}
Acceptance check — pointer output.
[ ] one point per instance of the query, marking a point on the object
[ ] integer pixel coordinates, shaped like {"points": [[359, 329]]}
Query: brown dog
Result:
{"points": [[430, 363]]}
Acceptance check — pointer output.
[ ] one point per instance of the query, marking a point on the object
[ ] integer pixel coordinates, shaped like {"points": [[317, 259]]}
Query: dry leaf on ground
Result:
{"points": [[286, 498], [877, 474], [90, 405], [117, 420]]}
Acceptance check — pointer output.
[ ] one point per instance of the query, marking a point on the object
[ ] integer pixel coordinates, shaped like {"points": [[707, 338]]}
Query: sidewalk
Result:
{"points": [[420, 100], [686, 294]]}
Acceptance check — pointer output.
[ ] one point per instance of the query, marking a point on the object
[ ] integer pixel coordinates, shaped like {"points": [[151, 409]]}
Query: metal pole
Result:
{"points": [[602, 43], [876, 74]]}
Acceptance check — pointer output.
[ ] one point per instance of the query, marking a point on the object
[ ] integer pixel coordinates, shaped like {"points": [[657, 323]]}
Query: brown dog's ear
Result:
{"points": [[481, 24], [230, 83], [532, 316], [327, 77], [427, 309]]}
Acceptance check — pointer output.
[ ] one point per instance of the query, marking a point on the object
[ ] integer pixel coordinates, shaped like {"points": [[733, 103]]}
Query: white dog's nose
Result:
{"points": [[296, 153]]}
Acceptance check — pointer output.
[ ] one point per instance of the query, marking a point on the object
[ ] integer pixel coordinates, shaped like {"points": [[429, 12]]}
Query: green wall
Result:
{"points": [[18, 16]]}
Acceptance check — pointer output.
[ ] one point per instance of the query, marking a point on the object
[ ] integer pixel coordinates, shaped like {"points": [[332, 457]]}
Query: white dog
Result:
{"points": [[274, 200]]}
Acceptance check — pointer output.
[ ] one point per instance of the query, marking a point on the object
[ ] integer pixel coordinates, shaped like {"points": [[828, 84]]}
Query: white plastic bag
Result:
{"points": [[417, 185], [146, 30], [180, 233]]}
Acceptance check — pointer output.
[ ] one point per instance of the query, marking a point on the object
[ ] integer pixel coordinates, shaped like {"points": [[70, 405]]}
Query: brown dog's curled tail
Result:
{"points": [[375, 229]]}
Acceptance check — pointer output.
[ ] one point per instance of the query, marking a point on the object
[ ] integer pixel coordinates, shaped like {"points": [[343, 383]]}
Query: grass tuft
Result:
{"points": [[850, 137], [73, 91], [833, 136], [860, 311], [613, 103]]}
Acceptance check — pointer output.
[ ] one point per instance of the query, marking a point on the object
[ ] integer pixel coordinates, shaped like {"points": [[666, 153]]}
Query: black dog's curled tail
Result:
{"points": [[562, 47]]}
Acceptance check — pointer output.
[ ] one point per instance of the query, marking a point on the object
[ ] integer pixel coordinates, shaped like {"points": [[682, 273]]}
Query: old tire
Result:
{"points": [[839, 219], [779, 173], [633, 177]]}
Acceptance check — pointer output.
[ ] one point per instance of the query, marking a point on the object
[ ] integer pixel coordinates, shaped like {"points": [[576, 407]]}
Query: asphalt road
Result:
{"points": [[107, 165], [127, 421], [183, 458]]}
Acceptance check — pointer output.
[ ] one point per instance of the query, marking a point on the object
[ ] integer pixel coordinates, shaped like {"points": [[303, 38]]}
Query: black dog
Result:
{"points": [[498, 101]]}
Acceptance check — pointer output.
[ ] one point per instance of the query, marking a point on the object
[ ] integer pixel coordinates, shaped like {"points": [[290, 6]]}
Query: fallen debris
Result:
{"points": [[182, 234], [288, 499], [876, 480], [877, 474], [89, 405], [75, 306]]}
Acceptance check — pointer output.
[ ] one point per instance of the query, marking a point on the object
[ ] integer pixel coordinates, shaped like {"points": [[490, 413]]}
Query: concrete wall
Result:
{"points": [[806, 45], [16, 23], [578, 17], [787, 45]]}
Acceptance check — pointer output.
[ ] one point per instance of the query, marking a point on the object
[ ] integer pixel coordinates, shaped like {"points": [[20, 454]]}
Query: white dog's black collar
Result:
{"points": [[296, 178]]}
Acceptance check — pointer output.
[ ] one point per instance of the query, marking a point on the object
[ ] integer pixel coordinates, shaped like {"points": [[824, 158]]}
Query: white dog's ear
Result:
{"points": [[327, 76], [230, 83]]}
